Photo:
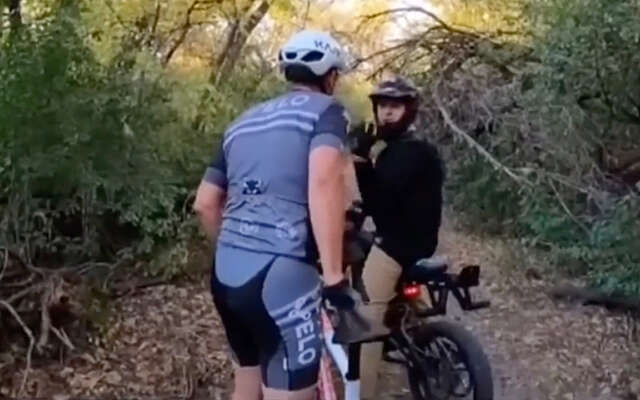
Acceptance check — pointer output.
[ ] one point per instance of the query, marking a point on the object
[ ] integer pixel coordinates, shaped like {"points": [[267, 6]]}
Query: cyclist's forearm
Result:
{"points": [[208, 205], [326, 204], [210, 220]]}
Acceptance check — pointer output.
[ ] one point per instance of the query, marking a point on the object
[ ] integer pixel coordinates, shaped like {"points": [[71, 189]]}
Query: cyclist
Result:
{"points": [[401, 189], [273, 198]]}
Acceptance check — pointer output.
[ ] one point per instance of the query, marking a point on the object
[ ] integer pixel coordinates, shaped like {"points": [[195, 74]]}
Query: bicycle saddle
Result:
{"points": [[427, 269]]}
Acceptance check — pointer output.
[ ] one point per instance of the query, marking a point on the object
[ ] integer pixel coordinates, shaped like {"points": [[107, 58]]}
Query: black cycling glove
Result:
{"points": [[341, 295], [361, 139]]}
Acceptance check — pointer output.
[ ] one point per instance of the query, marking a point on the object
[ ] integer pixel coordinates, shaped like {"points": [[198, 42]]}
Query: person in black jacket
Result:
{"points": [[401, 189]]}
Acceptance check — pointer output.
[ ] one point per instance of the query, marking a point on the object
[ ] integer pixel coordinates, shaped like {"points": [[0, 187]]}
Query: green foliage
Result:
{"points": [[589, 51], [103, 141], [484, 194], [100, 160], [604, 248], [577, 96]]}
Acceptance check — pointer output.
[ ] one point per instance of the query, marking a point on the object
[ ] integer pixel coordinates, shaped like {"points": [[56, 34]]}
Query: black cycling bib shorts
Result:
{"points": [[271, 315]]}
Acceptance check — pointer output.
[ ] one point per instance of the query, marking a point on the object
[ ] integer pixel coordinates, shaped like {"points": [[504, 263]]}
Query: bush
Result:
{"points": [[559, 110], [99, 162], [603, 248]]}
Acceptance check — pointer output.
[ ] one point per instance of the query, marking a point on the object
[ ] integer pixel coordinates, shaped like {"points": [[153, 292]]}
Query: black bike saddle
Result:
{"points": [[426, 269]]}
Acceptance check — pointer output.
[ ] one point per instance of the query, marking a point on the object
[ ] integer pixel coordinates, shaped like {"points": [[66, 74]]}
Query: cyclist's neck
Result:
{"points": [[305, 88]]}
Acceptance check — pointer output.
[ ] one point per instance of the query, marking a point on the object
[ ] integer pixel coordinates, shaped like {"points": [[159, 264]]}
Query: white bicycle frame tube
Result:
{"points": [[340, 358], [338, 354]]}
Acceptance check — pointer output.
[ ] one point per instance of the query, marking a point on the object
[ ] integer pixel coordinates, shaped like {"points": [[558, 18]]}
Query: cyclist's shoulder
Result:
{"points": [[317, 102], [306, 102]]}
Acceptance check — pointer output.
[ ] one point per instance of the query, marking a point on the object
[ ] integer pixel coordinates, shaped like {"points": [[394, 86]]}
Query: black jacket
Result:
{"points": [[403, 194]]}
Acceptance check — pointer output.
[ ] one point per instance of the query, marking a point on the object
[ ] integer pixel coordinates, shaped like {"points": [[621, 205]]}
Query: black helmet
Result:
{"points": [[397, 88], [400, 89]]}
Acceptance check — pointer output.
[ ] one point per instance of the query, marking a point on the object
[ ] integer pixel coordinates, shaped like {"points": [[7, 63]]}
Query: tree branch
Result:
{"points": [[24, 292], [471, 142], [306, 14], [63, 337], [378, 53], [15, 15], [566, 209], [237, 38], [184, 30], [29, 334], [115, 13], [154, 24], [5, 263], [422, 11]]}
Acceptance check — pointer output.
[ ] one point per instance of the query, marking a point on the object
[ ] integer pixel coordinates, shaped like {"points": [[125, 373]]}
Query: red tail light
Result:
{"points": [[411, 292]]}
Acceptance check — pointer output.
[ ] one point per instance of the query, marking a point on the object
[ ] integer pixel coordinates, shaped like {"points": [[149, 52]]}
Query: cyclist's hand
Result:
{"points": [[349, 324], [341, 295]]}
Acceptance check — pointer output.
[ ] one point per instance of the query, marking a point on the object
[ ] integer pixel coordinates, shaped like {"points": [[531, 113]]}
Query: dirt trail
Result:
{"points": [[539, 349], [168, 342]]}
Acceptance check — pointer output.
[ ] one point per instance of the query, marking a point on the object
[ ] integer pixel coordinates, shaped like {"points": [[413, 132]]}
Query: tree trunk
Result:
{"points": [[15, 16], [184, 30], [239, 33]]}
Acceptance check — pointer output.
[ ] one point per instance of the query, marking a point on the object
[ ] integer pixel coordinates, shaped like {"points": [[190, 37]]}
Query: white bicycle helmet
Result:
{"points": [[316, 50]]}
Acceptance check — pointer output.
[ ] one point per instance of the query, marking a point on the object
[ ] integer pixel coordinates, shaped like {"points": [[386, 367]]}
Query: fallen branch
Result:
{"points": [[566, 209], [129, 289], [18, 284], [587, 296], [475, 145], [64, 338], [24, 264], [5, 263], [378, 53], [387, 64], [85, 268], [45, 317], [24, 292], [29, 334]]}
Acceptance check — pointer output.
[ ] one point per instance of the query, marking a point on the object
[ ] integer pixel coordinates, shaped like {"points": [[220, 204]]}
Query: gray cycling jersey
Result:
{"points": [[263, 164]]}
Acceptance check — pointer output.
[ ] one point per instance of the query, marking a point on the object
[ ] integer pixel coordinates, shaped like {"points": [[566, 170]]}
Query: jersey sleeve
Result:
{"points": [[216, 172], [331, 128]]}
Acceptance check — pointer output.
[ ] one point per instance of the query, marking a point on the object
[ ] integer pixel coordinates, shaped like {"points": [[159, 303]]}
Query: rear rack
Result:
{"points": [[459, 285]]}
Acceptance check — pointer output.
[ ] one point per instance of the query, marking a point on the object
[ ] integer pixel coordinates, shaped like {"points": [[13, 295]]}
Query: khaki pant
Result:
{"points": [[380, 276]]}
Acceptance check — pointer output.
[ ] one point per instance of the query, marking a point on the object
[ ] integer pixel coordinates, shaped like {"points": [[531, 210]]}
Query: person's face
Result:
{"points": [[390, 111]]}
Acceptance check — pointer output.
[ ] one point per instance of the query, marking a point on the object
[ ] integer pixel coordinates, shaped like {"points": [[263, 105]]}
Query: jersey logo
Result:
{"points": [[287, 102], [252, 186]]}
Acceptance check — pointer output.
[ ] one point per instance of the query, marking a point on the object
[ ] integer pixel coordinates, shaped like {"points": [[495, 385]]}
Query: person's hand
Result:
{"points": [[361, 139], [346, 315], [341, 295]]}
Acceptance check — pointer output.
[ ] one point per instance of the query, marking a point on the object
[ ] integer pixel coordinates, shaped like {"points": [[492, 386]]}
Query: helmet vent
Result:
{"points": [[313, 56]]}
